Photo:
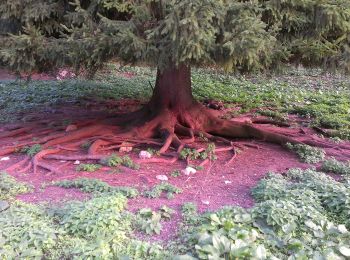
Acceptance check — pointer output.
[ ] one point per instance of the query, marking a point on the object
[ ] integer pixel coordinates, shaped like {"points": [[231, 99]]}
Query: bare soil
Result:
{"points": [[215, 186]]}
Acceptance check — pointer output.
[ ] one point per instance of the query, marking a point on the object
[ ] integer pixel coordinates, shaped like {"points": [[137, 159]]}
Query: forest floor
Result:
{"points": [[305, 100]]}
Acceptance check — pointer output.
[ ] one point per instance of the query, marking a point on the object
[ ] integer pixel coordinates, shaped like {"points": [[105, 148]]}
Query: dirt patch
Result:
{"points": [[6, 75], [212, 188]]}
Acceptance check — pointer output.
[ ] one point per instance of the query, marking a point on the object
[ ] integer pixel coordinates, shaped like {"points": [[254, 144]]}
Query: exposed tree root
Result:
{"points": [[18, 164], [169, 129]]}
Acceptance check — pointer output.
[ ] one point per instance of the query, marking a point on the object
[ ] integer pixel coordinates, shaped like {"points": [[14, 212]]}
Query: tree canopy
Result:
{"points": [[236, 34]]}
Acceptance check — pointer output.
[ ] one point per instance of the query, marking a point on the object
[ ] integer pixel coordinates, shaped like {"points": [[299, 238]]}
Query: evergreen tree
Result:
{"points": [[174, 35]]}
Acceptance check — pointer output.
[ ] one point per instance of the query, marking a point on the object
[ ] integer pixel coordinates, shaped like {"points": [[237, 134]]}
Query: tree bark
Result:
{"points": [[173, 90]]}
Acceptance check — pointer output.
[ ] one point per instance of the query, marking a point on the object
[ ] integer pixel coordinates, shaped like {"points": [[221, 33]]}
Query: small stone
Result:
{"points": [[71, 128], [5, 159], [228, 182], [145, 155], [62, 161], [76, 162], [189, 170], [125, 147], [162, 177], [342, 229], [344, 251], [205, 202], [4, 205]]}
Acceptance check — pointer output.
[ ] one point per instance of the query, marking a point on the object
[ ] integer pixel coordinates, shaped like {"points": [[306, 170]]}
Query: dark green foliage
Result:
{"points": [[239, 35], [97, 187]]}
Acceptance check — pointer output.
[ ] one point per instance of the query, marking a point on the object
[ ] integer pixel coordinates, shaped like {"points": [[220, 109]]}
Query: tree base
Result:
{"points": [[171, 130]]}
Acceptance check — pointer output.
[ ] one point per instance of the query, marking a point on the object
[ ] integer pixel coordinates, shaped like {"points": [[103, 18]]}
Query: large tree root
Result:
{"points": [[170, 130]]}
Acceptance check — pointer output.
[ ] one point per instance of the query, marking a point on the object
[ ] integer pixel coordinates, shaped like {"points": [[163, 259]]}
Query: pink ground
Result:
{"points": [[215, 186], [207, 185]]}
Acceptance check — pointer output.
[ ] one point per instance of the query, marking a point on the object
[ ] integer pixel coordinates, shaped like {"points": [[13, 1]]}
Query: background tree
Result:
{"points": [[174, 35]]}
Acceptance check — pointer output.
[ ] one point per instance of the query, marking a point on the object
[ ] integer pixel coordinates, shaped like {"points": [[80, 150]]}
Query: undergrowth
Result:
{"points": [[96, 187], [115, 161], [86, 167], [10, 187], [335, 166], [303, 214], [306, 153], [31, 151], [325, 99], [157, 191], [149, 221], [193, 154], [99, 228]]}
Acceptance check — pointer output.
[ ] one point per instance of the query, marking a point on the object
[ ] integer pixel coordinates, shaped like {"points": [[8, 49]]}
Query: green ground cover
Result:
{"points": [[303, 214], [323, 98]]}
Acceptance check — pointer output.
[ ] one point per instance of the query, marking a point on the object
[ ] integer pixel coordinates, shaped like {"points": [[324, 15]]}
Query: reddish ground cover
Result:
{"points": [[215, 186]]}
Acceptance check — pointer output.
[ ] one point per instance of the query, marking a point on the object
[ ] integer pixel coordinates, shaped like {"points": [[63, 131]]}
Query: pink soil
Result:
{"points": [[206, 186]]}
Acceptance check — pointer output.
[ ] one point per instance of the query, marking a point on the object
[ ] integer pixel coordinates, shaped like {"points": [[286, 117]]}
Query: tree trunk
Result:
{"points": [[172, 119], [173, 90]]}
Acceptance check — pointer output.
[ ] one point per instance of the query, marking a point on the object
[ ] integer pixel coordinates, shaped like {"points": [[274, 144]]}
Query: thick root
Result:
{"points": [[170, 130]]}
